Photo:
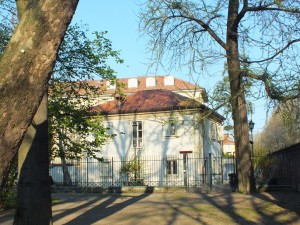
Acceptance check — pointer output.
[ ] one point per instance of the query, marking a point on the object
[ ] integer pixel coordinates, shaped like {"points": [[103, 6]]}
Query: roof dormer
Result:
{"points": [[169, 81], [132, 83], [150, 82]]}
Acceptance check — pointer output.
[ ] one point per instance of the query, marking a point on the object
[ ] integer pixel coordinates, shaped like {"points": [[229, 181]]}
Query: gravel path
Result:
{"points": [[173, 208]]}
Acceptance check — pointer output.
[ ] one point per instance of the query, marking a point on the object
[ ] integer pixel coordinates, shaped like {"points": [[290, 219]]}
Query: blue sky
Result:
{"points": [[119, 18]]}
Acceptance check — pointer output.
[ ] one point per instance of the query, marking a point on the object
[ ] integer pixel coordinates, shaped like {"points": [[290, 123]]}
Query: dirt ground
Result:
{"points": [[173, 208]]}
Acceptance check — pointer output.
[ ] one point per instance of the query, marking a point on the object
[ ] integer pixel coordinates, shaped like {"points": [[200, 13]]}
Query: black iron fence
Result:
{"points": [[156, 171]]}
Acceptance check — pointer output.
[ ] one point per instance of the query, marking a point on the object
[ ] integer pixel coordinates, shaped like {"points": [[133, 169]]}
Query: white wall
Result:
{"points": [[154, 140], [189, 137]]}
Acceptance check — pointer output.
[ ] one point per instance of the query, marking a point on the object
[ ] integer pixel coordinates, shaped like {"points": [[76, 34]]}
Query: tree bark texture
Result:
{"points": [[34, 194], [25, 68], [246, 182]]}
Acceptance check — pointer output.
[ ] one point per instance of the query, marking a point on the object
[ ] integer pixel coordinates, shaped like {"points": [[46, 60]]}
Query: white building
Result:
{"points": [[163, 127], [228, 145], [160, 122]]}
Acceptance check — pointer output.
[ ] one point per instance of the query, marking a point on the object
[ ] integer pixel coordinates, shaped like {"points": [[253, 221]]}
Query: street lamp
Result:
{"points": [[251, 127]]}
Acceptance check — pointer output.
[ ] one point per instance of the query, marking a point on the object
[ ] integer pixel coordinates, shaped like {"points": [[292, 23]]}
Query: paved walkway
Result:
{"points": [[173, 208]]}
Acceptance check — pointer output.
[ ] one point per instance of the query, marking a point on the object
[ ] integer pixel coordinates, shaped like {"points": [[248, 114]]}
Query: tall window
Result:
{"points": [[137, 134], [216, 132], [172, 167], [105, 169]]}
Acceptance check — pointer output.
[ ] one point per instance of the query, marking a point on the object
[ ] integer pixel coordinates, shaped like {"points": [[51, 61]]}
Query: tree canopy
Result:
{"points": [[72, 130], [258, 41]]}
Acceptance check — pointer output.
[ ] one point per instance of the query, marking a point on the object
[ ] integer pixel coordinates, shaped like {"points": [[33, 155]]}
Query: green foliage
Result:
{"points": [[133, 170], [131, 166], [5, 34], [9, 193], [9, 198], [72, 129], [221, 100], [227, 156], [262, 168], [7, 15], [80, 58], [262, 160]]}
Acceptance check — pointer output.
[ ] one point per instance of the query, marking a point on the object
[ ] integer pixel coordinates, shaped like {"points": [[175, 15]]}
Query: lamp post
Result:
{"points": [[251, 127]]}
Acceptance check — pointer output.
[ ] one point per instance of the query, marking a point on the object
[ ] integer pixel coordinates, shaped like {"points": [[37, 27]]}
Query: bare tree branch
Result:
{"points": [[276, 54]]}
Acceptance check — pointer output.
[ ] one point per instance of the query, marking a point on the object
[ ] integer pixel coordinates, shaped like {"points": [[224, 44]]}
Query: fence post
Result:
{"points": [[185, 171], [210, 170], [87, 172], [222, 175], [112, 171]]}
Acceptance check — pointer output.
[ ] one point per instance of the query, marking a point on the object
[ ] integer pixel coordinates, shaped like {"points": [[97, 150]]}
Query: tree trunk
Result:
{"points": [[246, 182], [34, 194], [67, 181], [25, 68], [66, 174]]}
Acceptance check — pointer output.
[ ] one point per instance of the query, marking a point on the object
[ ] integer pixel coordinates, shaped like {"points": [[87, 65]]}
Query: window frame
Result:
{"points": [[171, 168], [105, 169], [137, 142]]}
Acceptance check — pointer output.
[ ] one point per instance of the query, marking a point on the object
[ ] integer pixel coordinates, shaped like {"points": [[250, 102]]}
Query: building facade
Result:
{"points": [[163, 119]]}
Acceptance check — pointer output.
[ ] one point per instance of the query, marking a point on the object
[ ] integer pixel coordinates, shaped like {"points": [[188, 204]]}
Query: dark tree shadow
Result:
{"points": [[101, 210], [230, 205], [288, 200]]}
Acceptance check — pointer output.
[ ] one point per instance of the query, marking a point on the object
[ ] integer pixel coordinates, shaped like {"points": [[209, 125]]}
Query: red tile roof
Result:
{"points": [[159, 84], [150, 101], [102, 85], [227, 140]]}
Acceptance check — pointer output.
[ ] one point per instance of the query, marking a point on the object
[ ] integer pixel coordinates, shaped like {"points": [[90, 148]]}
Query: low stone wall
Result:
{"points": [[125, 189], [138, 189]]}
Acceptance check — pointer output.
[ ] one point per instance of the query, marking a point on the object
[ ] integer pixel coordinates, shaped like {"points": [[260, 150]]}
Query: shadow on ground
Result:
{"points": [[175, 208], [99, 207], [262, 208]]}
